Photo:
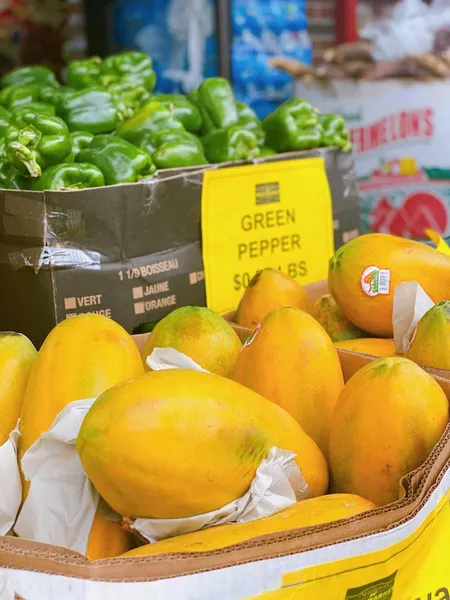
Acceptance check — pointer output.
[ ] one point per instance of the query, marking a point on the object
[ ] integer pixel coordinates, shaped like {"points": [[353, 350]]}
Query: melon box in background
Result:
{"points": [[401, 142], [131, 252]]}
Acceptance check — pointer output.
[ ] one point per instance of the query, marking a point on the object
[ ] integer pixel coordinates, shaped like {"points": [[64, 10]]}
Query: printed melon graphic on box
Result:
{"points": [[404, 199]]}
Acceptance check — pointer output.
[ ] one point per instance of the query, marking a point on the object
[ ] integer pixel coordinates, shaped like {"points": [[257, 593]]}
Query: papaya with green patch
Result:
{"points": [[17, 355], [291, 361], [430, 341], [333, 320], [179, 443], [364, 273], [200, 333], [268, 290], [80, 358], [388, 419]]}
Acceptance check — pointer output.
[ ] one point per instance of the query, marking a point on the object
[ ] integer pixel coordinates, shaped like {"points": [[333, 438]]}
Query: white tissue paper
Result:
{"points": [[10, 482], [6, 587], [278, 484], [61, 503], [410, 305], [163, 359]]}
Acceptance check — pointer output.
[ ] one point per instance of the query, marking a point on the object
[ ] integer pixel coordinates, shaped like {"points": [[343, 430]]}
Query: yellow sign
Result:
{"points": [[276, 214]]}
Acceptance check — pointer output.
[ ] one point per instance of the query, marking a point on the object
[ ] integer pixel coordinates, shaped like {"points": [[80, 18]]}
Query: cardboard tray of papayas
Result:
{"points": [[397, 552]]}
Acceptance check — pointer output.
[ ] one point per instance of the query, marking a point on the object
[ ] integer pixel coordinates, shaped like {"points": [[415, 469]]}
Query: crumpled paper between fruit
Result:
{"points": [[278, 484], [6, 587], [61, 503], [410, 304], [164, 359], [11, 495]]}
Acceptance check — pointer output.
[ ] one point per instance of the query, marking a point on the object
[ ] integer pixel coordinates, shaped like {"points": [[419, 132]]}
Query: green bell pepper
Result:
{"points": [[266, 151], [335, 132], [183, 109], [80, 140], [82, 74], [215, 100], [149, 119], [130, 97], [25, 75], [163, 136], [207, 123], [146, 144], [53, 95], [117, 159], [19, 95], [230, 144], [131, 67], [34, 142], [247, 118], [10, 178], [93, 109], [42, 108], [178, 153], [153, 141], [292, 126], [5, 117], [69, 175]]}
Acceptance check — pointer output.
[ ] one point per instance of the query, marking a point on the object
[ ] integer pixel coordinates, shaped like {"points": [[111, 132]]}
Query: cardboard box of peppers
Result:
{"points": [[106, 126]]}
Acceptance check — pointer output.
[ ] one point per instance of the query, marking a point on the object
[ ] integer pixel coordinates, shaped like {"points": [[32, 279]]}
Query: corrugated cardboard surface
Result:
{"points": [[131, 251]]}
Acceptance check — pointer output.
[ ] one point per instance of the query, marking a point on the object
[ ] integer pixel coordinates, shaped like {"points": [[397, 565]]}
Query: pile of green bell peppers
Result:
{"points": [[107, 126]]}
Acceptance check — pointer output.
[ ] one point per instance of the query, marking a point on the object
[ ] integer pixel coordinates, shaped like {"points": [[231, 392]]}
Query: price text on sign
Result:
{"points": [[275, 215]]}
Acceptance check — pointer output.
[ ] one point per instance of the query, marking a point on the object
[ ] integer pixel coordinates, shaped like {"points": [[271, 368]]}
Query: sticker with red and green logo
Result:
{"points": [[250, 339], [375, 281]]}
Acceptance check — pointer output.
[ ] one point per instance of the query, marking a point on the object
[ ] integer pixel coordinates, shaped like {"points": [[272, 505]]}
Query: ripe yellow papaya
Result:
{"points": [[107, 539], [364, 273], [80, 358], [380, 347], [430, 341], [333, 320], [270, 289], [387, 421], [181, 443], [307, 513], [291, 361], [201, 334], [17, 355]]}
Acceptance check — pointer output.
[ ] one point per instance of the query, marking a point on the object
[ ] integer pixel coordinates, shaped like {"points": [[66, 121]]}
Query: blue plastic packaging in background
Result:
{"points": [[179, 35], [262, 29]]}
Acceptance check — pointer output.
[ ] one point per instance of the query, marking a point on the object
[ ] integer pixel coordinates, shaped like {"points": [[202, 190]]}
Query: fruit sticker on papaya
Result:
{"points": [[251, 338], [375, 281]]}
